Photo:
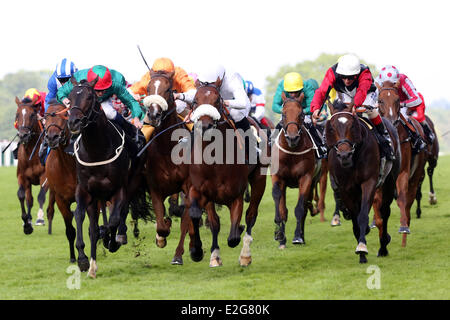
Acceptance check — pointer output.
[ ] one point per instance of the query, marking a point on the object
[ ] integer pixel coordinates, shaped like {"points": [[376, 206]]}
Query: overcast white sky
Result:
{"points": [[254, 38]]}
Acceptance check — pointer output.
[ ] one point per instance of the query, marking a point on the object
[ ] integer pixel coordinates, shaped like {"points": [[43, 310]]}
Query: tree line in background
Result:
{"points": [[15, 84]]}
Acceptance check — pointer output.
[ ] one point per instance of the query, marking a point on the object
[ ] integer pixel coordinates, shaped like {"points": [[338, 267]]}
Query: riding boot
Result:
{"points": [[418, 144], [387, 149], [43, 152], [429, 135], [16, 152], [321, 148]]}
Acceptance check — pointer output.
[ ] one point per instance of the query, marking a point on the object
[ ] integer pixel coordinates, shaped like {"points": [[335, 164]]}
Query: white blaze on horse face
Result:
{"points": [[390, 112], [24, 112], [157, 84], [342, 120]]}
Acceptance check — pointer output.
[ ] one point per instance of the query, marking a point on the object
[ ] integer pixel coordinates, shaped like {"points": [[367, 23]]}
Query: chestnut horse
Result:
{"points": [[164, 177], [412, 165], [354, 166], [103, 171], [29, 171], [220, 181], [432, 155], [298, 167]]}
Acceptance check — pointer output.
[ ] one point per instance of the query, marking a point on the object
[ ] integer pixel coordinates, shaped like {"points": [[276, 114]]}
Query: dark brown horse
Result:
{"points": [[412, 165], [294, 152], [29, 172], [164, 176], [103, 173], [354, 166], [432, 156], [219, 172]]}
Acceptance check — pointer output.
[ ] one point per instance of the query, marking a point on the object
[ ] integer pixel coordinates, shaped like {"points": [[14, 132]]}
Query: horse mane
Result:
{"points": [[339, 105]]}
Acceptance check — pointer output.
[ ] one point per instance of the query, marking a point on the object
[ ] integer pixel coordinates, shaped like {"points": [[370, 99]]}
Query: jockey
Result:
{"points": [[410, 99], [110, 82], [31, 94], [182, 85], [257, 102], [353, 83], [293, 86], [63, 72]]}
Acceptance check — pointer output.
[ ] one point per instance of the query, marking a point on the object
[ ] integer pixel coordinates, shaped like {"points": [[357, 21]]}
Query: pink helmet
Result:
{"points": [[192, 76], [389, 73]]}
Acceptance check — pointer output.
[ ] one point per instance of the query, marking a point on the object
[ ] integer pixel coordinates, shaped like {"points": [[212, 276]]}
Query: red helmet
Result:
{"points": [[104, 77]]}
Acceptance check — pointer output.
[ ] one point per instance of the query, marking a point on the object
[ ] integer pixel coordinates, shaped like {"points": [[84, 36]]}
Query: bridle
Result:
{"points": [[170, 101], [297, 123], [63, 137], [92, 113], [29, 129], [345, 140], [396, 92]]}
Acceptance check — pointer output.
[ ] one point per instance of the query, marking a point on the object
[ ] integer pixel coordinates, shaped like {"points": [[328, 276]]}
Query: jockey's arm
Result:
{"points": [[410, 91], [240, 100]]}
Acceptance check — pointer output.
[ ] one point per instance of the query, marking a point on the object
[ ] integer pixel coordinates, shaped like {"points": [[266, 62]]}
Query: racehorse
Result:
{"points": [[354, 166], [102, 160], [298, 167], [220, 181], [29, 172], [164, 176], [412, 165], [432, 155]]}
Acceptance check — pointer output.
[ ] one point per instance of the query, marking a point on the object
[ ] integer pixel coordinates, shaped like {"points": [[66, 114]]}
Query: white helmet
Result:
{"points": [[348, 65], [210, 74], [389, 73]]}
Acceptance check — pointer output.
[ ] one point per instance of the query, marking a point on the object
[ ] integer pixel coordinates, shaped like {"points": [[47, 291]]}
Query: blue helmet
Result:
{"points": [[65, 69], [249, 87]]}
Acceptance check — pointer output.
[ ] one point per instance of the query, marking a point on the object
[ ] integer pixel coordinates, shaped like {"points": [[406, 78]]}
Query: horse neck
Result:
{"points": [[164, 138], [96, 136]]}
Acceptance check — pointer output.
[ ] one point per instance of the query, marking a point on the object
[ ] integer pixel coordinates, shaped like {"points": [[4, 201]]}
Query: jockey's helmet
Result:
{"points": [[65, 69], [104, 77], [210, 74], [389, 73], [249, 87], [32, 93], [163, 64], [348, 65], [293, 82]]}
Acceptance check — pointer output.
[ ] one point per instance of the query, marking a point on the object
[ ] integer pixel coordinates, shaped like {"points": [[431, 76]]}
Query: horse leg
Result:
{"points": [[82, 198], [195, 213], [103, 229], [236, 228], [119, 205], [64, 208], [27, 225], [430, 170], [50, 210], [304, 184], [258, 186], [93, 236], [418, 199], [214, 225], [184, 228], [41, 201], [323, 189], [162, 229], [402, 189], [368, 192], [336, 220], [281, 211]]}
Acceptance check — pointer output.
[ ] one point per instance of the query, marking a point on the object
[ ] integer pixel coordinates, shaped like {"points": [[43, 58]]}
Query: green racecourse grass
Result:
{"points": [[35, 266]]}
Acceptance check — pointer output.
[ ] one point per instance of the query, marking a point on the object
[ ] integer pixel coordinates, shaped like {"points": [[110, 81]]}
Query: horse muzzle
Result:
{"points": [[292, 140], [345, 158]]}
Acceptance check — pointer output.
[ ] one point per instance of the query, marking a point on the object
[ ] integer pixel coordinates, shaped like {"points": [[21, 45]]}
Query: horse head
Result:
{"points": [[207, 105], [159, 102], [292, 117], [343, 133], [56, 129], [389, 101], [84, 105], [27, 119]]}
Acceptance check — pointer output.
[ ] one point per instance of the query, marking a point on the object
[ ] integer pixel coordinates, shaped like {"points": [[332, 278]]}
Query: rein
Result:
{"points": [[291, 152]]}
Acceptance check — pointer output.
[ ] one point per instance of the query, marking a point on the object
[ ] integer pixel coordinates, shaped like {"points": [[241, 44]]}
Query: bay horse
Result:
{"points": [[432, 156], [354, 167], [29, 172], [219, 181], [412, 165], [103, 173], [298, 167], [165, 177]]}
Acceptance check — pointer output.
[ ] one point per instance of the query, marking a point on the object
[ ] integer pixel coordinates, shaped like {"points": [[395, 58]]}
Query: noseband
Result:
{"points": [[29, 129], [342, 141], [297, 123], [396, 92], [93, 114], [63, 137]]}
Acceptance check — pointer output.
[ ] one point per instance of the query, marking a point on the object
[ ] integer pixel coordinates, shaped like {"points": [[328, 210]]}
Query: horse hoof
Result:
{"points": [[39, 222], [83, 264], [373, 224], [404, 230], [298, 240], [282, 246], [196, 254], [361, 248], [136, 233], [27, 229], [121, 239], [177, 261], [233, 242], [245, 261], [382, 253], [113, 246], [336, 221], [215, 262], [362, 258], [72, 260], [161, 242], [433, 199]]}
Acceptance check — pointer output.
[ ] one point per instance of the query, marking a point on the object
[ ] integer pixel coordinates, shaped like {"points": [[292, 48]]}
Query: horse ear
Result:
{"points": [[93, 82], [302, 96], [152, 73], [171, 74], [35, 99], [283, 96], [378, 85], [218, 82], [73, 81], [17, 101], [397, 84]]}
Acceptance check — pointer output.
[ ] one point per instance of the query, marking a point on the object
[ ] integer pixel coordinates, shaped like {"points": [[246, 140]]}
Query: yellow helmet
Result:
{"points": [[32, 93], [293, 82]]}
